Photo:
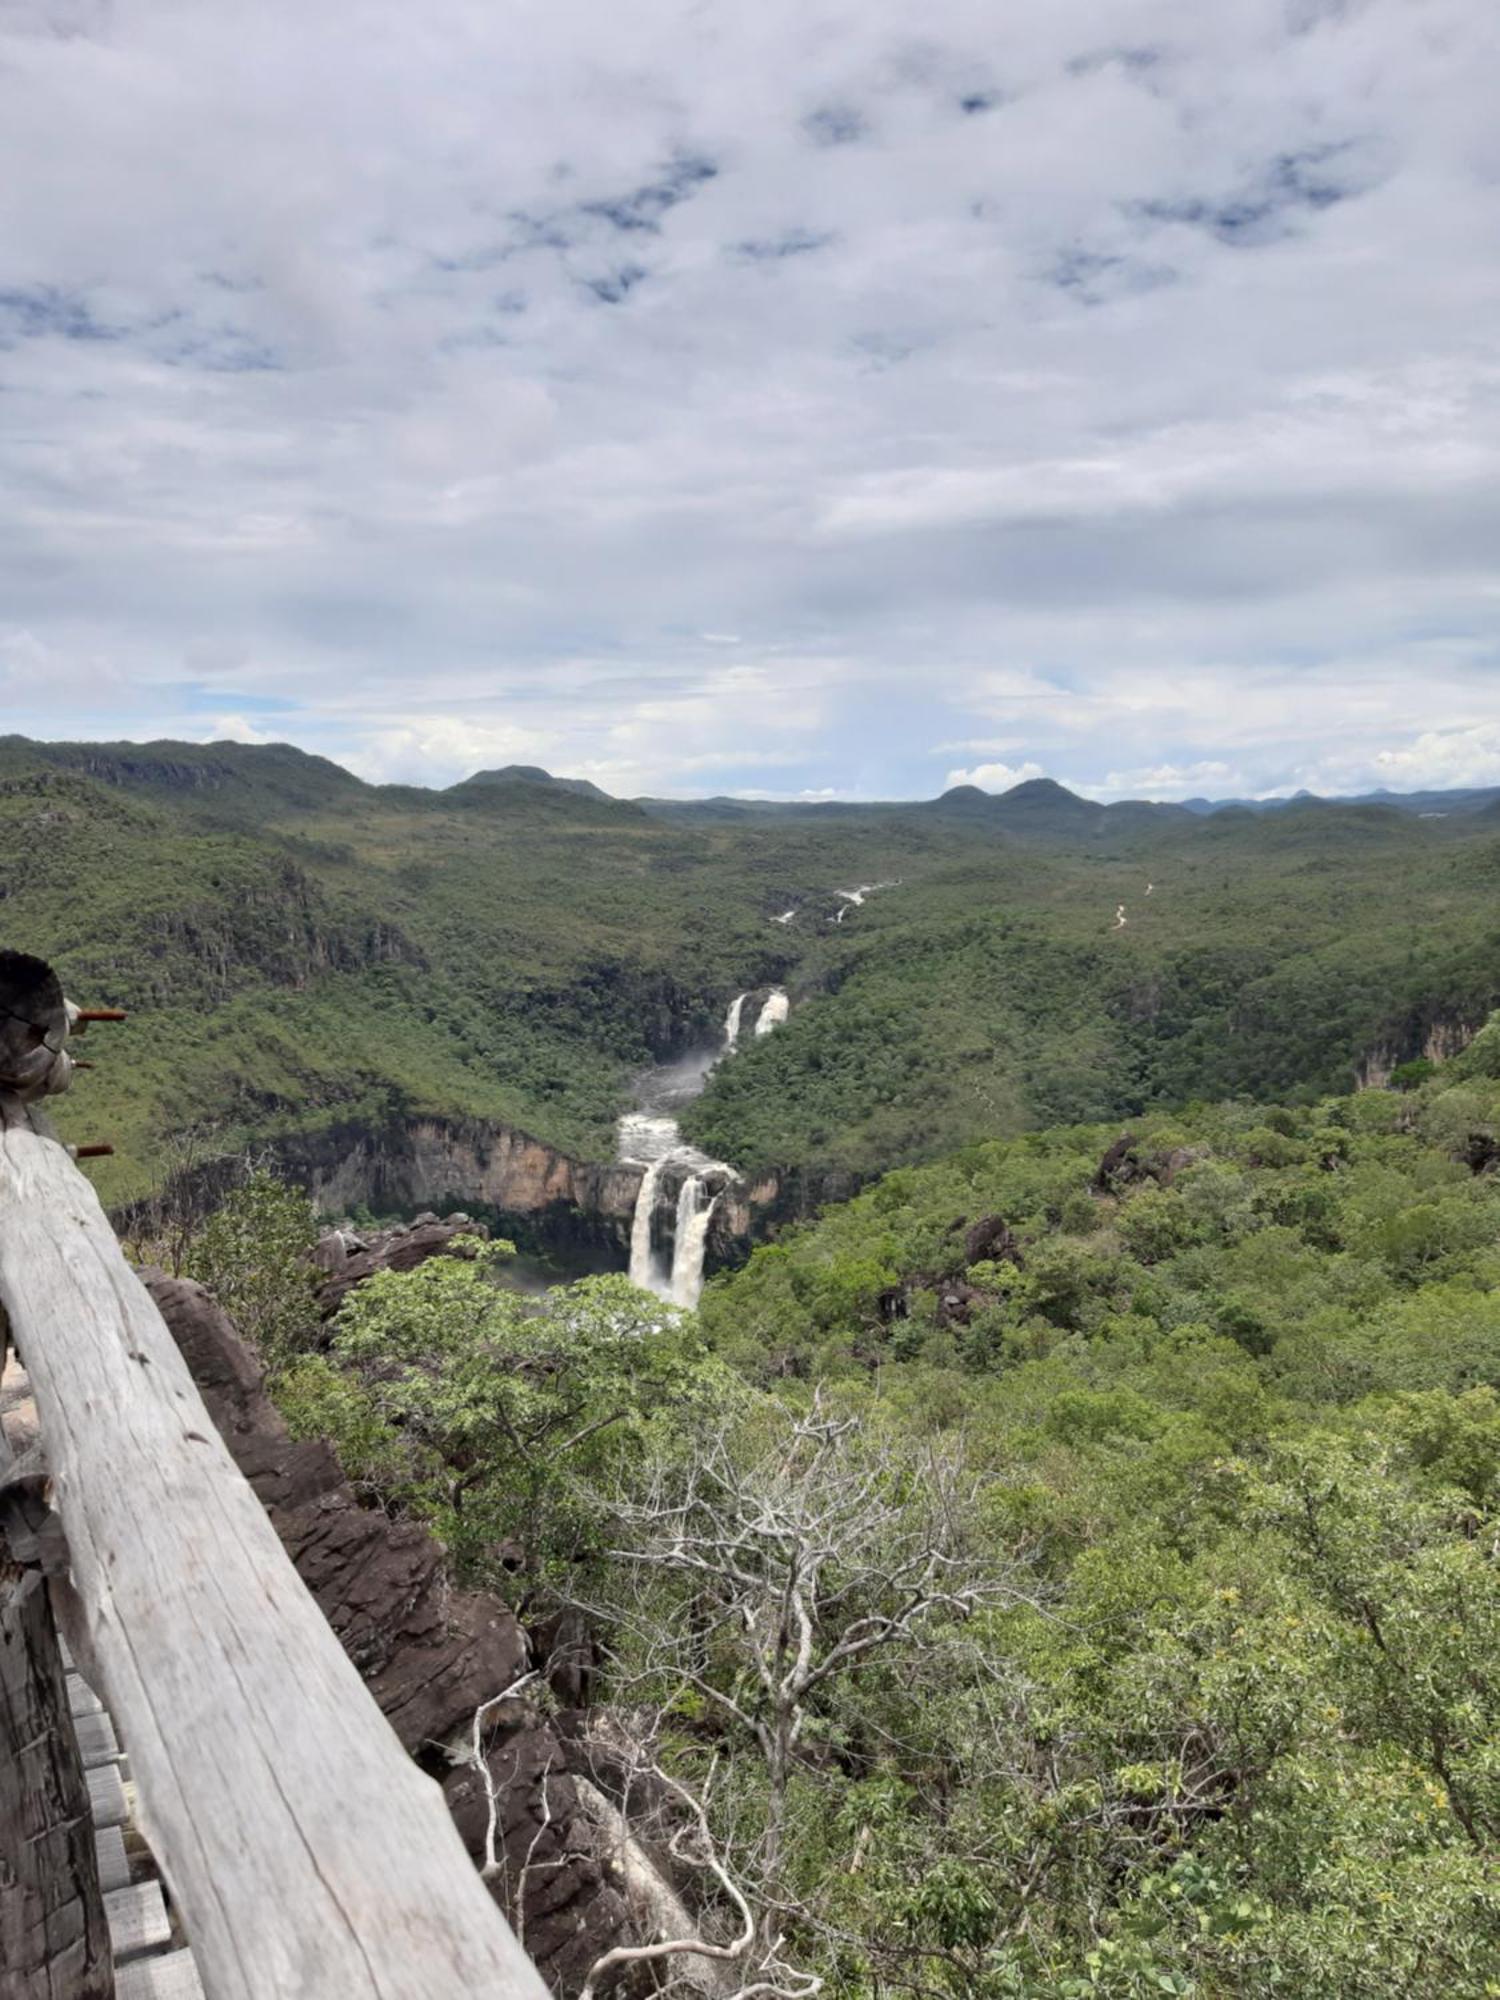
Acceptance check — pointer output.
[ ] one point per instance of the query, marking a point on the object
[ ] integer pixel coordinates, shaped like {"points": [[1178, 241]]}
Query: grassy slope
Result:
{"points": [[296, 947]]}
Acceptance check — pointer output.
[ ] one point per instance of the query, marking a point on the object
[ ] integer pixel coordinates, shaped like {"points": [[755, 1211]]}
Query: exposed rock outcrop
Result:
{"points": [[1127, 1164], [427, 1163], [1430, 1031], [347, 1258], [991, 1240], [423, 1160], [429, 1654]]}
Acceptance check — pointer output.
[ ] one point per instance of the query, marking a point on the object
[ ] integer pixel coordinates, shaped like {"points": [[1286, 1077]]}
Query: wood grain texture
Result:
{"points": [[174, 1977], [114, 1863], [54, 1943], [137, 1918], [106, 1795], [96, 1740], [305, 1851]]}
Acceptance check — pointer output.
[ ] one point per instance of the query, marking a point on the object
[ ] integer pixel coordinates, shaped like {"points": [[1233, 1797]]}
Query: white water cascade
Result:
{"points": [[643, 1271], [655, 1143], [853, 899], [694, 1214], [773, 1013], [669, 1260], [732, 1023]]}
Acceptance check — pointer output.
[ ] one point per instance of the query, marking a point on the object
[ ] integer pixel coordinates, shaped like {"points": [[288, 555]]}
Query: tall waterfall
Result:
{"points": [[643, 1270], [694, 1214], [664, 1259], [732, 1023], [774, 1012]]}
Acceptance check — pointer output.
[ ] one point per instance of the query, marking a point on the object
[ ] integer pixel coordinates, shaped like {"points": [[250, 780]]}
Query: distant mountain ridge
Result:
{"points": [[224, 772], [530, 774]]}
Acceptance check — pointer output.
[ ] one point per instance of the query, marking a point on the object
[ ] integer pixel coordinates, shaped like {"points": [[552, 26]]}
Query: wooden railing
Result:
{"points": [[308, 1857]]}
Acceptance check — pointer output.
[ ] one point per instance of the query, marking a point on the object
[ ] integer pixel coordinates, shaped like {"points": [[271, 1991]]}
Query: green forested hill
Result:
{"points": [[1271, 957], [296, 946], [1121, 1508], [1231, 1385]]}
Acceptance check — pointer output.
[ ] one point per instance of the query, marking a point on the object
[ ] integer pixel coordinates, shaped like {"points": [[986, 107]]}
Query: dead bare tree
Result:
{"points": [[765, 1567], [754, 1962], [478, 1758]]}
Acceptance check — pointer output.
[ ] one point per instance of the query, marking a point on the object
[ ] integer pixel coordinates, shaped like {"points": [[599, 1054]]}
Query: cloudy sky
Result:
{"points": [[788, 397]]}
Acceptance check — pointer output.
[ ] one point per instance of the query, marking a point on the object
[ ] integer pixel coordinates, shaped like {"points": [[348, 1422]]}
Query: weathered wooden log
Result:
{"points": [[54, 1938], [34, 1023], [306, 1853]]}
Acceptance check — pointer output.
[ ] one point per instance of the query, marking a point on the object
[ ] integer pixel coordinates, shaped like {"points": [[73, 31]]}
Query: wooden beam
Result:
{"points": [[34, 1024], [54, 1941], [305, 1851]]}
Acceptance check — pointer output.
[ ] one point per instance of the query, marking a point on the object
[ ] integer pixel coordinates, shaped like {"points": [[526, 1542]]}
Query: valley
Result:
{"points": [[1100, 1313], [409, 998]]}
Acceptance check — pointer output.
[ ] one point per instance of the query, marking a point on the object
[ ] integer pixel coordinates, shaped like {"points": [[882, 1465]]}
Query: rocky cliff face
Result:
{"points": [[420, 1162], [409, 1164], [1435, 1033], [562, 1202], [430, 1655]]}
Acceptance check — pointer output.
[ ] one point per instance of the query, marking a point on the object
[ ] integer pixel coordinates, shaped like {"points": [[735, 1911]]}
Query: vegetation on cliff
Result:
{"points": [[302, 950], [1193, 1433]]}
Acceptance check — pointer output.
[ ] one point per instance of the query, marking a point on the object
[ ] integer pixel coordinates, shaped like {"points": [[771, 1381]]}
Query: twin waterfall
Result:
{"points": [[651, 1138], [773, 1013], [732, 1023]]}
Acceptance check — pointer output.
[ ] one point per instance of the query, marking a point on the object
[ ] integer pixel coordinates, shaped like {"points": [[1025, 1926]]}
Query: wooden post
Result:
{"points": [[54, 1941], [306, 1852]]}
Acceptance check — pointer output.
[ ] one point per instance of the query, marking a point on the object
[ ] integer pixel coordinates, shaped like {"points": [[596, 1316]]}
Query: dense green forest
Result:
{"points": [[1065, 1569], [300, 949]]}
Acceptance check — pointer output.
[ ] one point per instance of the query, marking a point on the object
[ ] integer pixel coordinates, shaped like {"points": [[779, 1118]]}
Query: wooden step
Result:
{"points": [[96, 1740], [172, 1977], [106, 1795], [138, 1919], [81, 1697], [114, 1862]]}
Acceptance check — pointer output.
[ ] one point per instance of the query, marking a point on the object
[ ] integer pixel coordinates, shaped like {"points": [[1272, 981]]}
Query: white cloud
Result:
{"points": [[995, 777], [447, 385], [1210, 778], [235, 729], [1434, 760]]}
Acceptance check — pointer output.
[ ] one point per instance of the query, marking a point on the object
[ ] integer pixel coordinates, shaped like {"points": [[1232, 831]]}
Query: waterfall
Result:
{"points": [[732, 1023], [643, 1270], [774, 1012], [693, 1217]]}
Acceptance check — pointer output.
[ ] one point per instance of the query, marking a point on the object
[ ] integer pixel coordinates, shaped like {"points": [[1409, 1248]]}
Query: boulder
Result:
{"points": [[347, 1260], [1121, 1166], [991, 1240]]}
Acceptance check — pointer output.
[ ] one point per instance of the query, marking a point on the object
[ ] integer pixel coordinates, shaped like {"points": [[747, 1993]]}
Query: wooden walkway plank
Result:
{"points": [[114, 1862], [96, 1740], [174, 1977], [138, 1919], [53, 1937], [81, 1697], [106, 1795]]}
